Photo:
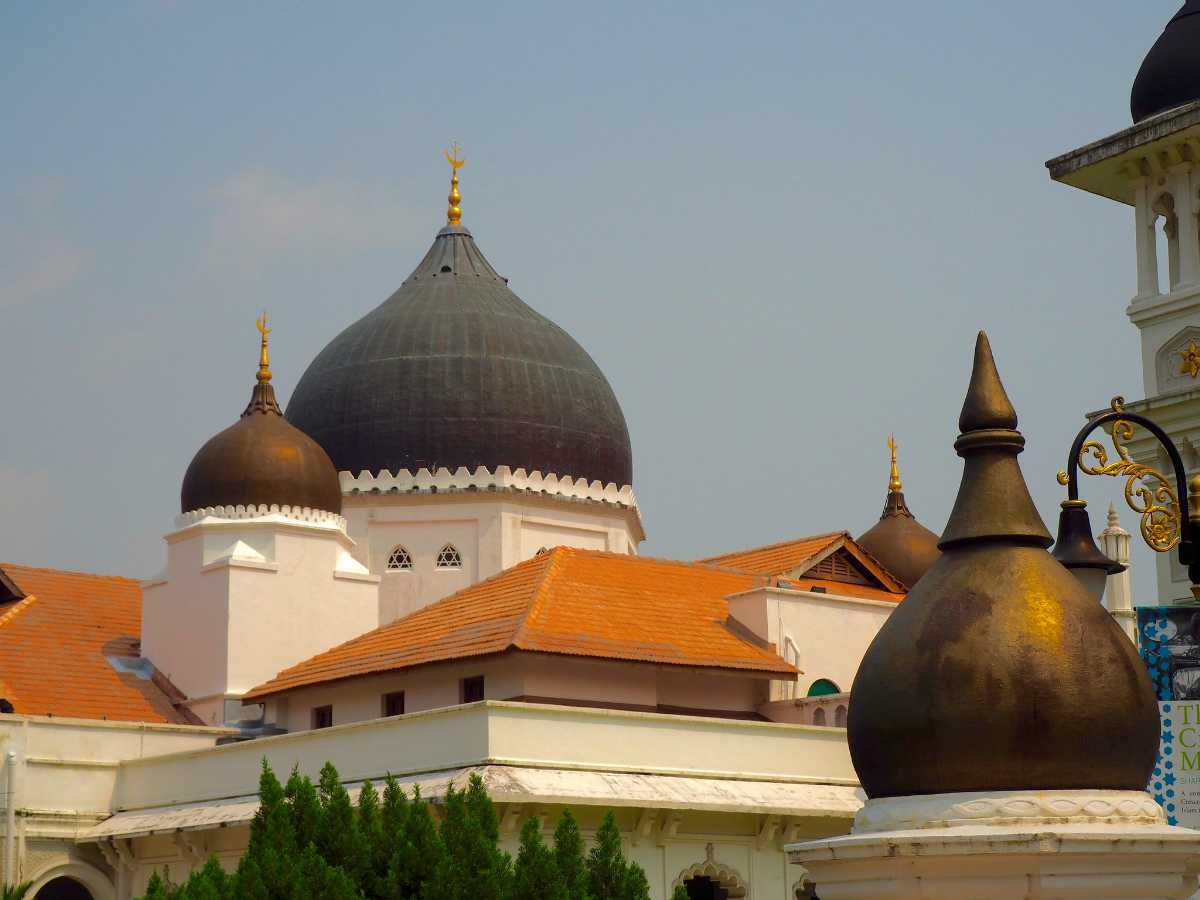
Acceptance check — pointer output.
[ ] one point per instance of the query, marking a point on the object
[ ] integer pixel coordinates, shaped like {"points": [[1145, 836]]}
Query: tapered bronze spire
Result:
{"points": [[999, 671], [993, 501]]}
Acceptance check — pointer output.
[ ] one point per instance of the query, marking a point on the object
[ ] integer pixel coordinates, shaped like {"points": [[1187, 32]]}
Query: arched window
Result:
{"points": [[399, 559], [823, 687], [819, 716], [839, 717], [1164, 207], [449, 558]]}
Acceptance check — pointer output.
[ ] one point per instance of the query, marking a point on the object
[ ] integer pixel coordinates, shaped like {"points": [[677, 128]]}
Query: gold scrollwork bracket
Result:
{"points": [[1148, 492]]}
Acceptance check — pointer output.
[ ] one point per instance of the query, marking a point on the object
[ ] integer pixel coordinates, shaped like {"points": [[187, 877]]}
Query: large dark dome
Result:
{"points": [[1170, 73], [455, 370]]}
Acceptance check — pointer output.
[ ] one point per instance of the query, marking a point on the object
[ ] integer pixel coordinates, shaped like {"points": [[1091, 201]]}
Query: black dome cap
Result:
{"points": [[455, 370], [1170, 73]]}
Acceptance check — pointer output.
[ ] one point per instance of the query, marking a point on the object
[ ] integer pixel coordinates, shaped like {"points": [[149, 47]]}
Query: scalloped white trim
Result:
{"points": [[295, 513], [1008, 808], [504, 478]]}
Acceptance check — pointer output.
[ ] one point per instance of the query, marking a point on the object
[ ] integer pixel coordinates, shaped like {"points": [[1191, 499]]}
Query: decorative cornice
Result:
{"points": [[1008, 808], [503, 479], [241, 513]]}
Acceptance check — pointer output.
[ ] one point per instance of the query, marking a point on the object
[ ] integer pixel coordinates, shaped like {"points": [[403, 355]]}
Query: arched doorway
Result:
{"points": [[63, 888], [710, 880]]}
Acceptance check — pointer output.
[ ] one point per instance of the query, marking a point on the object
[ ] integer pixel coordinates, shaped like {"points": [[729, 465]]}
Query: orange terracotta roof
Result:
{"points": [[776, 559], [568, 601], [792, 559], [55, 642]]}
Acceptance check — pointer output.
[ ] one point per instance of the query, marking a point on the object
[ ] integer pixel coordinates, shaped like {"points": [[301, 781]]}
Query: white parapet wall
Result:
{"points": [[64, 774], [689, 792]]}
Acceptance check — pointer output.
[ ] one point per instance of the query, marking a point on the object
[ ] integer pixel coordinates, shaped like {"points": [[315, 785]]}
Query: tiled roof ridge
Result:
{"points": [[539, 592], [661, 560], [17, 609], [9, 566], [777, 545]]}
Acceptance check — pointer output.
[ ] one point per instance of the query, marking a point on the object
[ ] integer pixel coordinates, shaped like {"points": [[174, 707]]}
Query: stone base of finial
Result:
{"points": [[1006, 844]]}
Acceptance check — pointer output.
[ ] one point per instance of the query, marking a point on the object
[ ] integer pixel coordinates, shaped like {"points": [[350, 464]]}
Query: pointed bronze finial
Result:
{"points": [[454, 214], [993, 499], [264, 357], [894, 485], [987, 404], [262, 398]]}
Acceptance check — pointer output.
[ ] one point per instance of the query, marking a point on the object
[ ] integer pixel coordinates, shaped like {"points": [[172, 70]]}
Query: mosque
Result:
{"points": [[428, 566]]}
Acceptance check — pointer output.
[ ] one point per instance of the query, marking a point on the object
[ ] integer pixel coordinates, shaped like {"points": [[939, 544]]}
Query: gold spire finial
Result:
{"points": [[453, 156], [264, 358], [894, 485]]}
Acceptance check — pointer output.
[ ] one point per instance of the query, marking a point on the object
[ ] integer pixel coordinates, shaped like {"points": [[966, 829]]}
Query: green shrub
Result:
{"points": [[311, 841]]}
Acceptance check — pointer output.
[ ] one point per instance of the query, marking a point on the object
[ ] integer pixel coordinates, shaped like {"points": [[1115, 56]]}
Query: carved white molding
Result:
{"points": [[503, 479], [243, 513], [1168, 361], [1008, 808]]}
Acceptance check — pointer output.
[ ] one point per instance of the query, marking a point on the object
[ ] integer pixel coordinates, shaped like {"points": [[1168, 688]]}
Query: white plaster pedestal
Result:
{"points": [[1050, 845]]}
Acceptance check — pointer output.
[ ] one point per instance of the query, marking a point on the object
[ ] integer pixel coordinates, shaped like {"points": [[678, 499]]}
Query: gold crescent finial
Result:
{"points": [[894, 485], [454, 157], [264, 358]]}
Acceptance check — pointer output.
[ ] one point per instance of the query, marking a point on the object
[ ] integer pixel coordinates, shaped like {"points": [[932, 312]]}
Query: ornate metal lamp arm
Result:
{"points": [[1148, 492]]}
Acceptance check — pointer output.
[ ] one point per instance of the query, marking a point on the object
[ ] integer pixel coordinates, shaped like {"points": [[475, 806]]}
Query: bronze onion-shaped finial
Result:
{"points": [[999, 671]]}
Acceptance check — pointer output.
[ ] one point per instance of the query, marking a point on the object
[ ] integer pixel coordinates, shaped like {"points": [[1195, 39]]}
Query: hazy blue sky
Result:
{"points": [[775, 227]]}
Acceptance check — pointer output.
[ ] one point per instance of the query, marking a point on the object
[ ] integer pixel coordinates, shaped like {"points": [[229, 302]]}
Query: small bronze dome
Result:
{"points": [[905, 547], [1170, 73], [261, 459], [999, 671]]}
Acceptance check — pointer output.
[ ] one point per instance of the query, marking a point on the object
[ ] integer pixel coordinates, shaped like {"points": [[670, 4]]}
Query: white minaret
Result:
{"points": [[1118, 592], [1154, 167]]}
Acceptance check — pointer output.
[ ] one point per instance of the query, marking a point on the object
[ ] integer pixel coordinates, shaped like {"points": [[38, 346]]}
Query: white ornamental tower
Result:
{"points": [[1154, 167]]}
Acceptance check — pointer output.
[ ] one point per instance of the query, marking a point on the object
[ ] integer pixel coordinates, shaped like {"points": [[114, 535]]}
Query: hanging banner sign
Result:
{"points": [[1169, 643]]}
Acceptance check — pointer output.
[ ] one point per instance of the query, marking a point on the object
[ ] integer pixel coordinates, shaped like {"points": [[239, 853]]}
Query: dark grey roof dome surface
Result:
{"points": [[1170, 73], [454, 369]]}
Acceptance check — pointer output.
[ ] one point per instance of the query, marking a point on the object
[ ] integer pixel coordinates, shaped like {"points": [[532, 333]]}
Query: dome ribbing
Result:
{"points": [[454, 369]]}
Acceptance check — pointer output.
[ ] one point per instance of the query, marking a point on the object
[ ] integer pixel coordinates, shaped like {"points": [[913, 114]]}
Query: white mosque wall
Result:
{"points": [[64, 773], [691, 795], [800, 624], [541, 678], [242, 599], [491, 530]]}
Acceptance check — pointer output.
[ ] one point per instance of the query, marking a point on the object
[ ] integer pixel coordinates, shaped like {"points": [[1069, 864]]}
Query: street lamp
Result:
{"points": [[1148, 492]]}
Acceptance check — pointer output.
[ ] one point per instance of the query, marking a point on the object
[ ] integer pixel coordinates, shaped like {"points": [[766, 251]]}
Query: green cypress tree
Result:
{"points": [[210, 883], [606, 862], [680, 893], [267, 870], [536, 875], [339, 841], [377, 852], [305, 808], [393, 811], [635, 886], [474, 867], [568, 854], [323, 881], [419, 851], [159, 887]]}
